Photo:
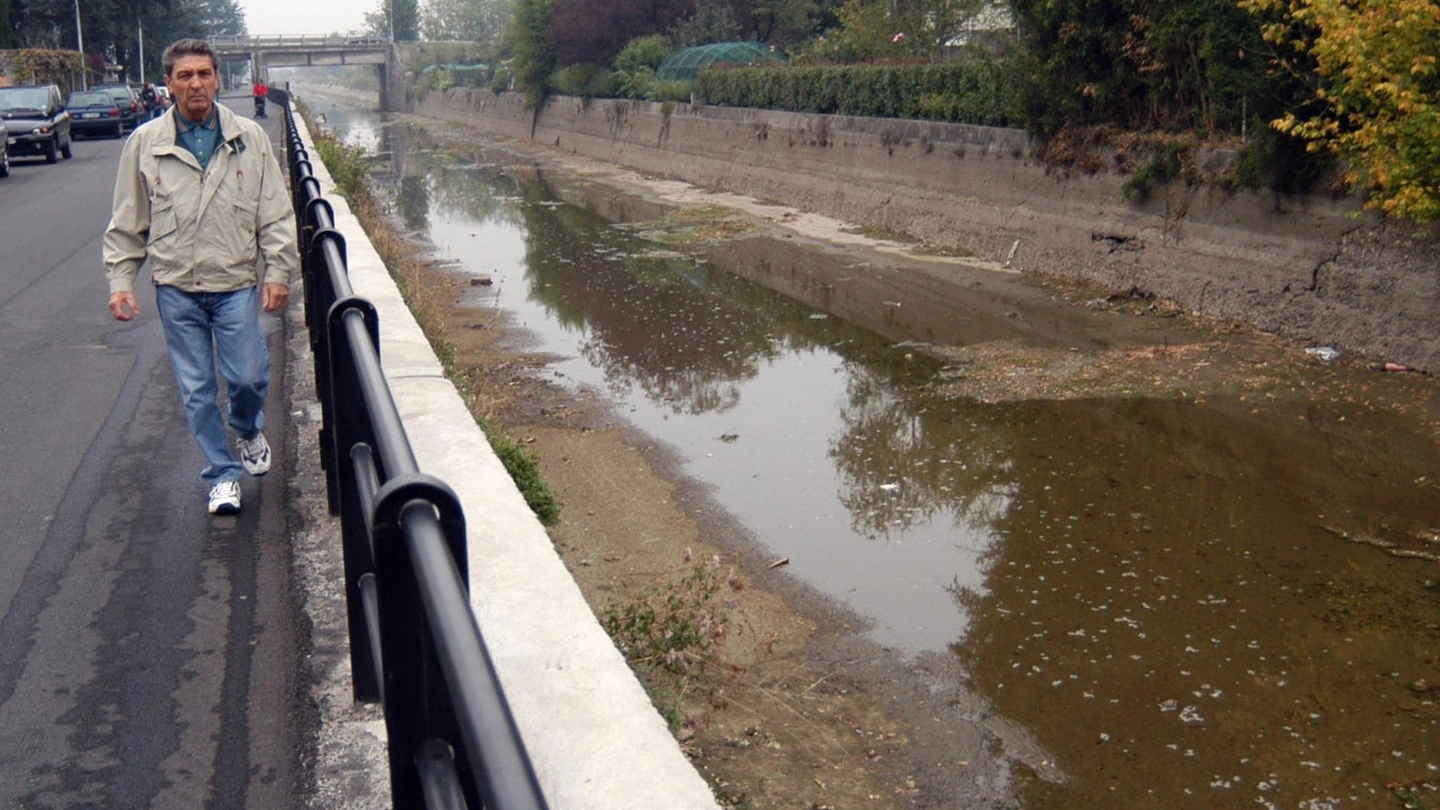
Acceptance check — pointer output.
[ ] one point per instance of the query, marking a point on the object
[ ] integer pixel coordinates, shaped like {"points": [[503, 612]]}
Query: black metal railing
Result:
{"points": [[415, 646]]}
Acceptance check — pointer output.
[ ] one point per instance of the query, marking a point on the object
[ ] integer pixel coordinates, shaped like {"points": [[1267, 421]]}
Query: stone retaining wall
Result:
{"points": [[1309, 268]]}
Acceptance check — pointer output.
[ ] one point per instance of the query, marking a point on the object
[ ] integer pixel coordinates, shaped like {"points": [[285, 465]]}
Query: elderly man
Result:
{"points": [[200, 195]]}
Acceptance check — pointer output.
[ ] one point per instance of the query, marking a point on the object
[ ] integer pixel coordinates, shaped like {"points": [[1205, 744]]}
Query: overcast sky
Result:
{"points": [[300, 17]]}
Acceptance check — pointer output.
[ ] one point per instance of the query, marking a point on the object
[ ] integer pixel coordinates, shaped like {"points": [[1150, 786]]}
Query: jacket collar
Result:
{"points": [[229, 129]]}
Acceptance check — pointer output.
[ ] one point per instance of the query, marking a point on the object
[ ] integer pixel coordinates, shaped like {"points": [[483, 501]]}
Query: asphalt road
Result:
{"points": [[149, 653]]}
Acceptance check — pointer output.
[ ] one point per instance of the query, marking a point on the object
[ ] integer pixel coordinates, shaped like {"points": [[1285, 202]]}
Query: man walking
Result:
{"points": [[200, 195]]}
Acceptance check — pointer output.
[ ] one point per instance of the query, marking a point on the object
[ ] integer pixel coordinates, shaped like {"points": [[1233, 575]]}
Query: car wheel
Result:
{"points": [[52, 151], [4, 164], [119, 131]]}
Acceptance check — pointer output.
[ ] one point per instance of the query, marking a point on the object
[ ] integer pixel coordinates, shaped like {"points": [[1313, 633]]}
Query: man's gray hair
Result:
{"points": [[188, 47]]}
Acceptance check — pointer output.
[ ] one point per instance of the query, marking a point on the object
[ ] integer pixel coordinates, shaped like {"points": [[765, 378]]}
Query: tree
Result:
{"points": [[784, 22], [892, 29], [1378, 102], [113, 28], [712, 21], [221, 17], [9, 38], [1138, 64], [594, 31], [532, 59], [397, 19], [480, 21]]}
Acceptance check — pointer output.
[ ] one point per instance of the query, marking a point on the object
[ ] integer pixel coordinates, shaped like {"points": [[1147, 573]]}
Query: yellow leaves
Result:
{"points": [[1376, 60]]}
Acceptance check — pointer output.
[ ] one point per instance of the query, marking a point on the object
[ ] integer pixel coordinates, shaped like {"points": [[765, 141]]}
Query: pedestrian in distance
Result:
{"points": [[261, 91], [151, 100], [199, 196]]}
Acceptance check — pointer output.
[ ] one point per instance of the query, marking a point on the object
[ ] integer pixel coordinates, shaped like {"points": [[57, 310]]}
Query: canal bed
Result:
{"points": [[1221, 596]]}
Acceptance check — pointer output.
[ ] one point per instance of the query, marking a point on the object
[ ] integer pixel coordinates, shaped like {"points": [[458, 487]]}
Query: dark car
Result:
{"points": [[132, 109], [35, 121], [94, 113]]}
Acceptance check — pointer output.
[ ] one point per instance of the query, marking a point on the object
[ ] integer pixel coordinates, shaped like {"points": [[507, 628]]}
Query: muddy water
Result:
{"points": [[1168, 595]]}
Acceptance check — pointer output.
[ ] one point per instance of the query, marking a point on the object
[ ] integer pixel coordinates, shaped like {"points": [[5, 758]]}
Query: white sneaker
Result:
{"points": [[225, 498], [255, 454]]}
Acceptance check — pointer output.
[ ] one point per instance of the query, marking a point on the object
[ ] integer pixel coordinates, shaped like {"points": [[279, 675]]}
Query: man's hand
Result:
{"points": [[272, 297], [124, 306]]}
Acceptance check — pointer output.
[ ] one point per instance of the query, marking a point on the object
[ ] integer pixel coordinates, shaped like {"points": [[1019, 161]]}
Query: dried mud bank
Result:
{"points": [[1306, 268]]}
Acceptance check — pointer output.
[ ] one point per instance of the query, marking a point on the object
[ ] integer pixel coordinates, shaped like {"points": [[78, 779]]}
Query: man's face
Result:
{"points": [[193, 83]]}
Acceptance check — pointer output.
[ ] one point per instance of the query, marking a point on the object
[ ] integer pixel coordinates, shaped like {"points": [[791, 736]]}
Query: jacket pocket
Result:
{"points": [[163, 223], [245, 220]]}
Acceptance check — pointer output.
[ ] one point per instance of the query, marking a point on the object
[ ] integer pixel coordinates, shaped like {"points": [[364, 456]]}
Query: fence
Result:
{"points": [[415, 646]]}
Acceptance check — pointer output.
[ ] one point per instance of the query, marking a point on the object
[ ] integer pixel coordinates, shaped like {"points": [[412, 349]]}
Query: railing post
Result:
{"points": [[321, 295], [417, 700], [312, 257], [352, 426]]}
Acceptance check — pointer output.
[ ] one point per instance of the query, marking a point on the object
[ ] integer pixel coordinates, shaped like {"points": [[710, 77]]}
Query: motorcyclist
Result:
{"points": [[260, 92]]}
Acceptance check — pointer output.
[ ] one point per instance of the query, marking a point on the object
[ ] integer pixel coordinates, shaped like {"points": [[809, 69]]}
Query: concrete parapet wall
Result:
{"points": [[1310, 268]]}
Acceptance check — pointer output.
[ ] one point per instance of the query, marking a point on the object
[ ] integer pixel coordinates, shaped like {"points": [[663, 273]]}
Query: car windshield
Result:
{"points": [[23, 98], [89, 100]]}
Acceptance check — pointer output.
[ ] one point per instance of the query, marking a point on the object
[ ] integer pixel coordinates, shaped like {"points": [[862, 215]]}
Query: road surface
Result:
{"points": [[149, 652]]}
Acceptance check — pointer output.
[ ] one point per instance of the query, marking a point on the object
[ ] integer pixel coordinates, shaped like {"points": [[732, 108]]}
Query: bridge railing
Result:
{"points": [[295, 40], [415, 645]]}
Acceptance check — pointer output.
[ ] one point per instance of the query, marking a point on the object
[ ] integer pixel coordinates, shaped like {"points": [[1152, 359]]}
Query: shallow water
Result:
{"points": [[1163, 592]]}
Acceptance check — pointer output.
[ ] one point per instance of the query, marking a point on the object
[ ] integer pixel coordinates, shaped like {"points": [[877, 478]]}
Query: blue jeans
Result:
{"points": [[209, 331]]}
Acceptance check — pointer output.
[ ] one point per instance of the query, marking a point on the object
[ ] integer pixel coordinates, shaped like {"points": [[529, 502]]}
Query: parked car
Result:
{"points": [[132, 110], [94, 113], [36, 122]]}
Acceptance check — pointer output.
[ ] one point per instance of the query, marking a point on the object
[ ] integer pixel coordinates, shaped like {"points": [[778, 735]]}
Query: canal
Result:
{"points": [[1218, 597]]}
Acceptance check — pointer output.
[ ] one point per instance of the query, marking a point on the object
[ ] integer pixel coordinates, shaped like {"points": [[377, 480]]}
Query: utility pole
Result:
{"points": [[140, 35], [80, 44]]}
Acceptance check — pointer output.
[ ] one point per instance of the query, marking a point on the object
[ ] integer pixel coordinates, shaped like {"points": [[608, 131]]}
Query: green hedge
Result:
{"points": [[982, 93]]}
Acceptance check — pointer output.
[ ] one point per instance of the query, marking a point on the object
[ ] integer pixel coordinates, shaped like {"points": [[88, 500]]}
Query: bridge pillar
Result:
{"points": [[392, 81]]}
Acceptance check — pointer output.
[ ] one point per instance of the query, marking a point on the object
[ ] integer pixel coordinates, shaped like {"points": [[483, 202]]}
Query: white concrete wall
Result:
{"points": [[596, 741]]}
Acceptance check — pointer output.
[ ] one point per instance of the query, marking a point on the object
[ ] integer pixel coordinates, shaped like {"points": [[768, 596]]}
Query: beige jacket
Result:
{"points": [[201, 230]]}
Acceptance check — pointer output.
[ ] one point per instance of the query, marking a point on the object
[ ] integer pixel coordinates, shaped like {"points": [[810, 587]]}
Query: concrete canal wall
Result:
{"points": [[1311, 268]]}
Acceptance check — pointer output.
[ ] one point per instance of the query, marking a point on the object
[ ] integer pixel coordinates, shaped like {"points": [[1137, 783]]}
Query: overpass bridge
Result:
{"points": [[321, 50]]}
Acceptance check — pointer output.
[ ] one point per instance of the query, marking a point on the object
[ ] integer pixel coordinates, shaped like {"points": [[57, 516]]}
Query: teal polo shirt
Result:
{"points": [[200, 139]]}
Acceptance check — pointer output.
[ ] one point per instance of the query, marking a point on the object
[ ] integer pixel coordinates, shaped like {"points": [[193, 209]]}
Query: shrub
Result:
{"points": [[978, 92], [636, 63], [584, 80], [674, 627]]}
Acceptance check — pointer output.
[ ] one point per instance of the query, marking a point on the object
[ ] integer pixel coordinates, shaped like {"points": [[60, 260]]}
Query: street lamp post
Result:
{"points": [[80, 45]]}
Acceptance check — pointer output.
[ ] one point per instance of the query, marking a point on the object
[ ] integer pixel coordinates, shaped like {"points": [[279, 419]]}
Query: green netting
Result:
{"points": [[684, 63]]}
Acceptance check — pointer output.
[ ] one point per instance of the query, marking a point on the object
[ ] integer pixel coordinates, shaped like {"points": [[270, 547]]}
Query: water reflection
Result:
{"points": [[1172, 592], [800, 421], [1162, 592]]}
